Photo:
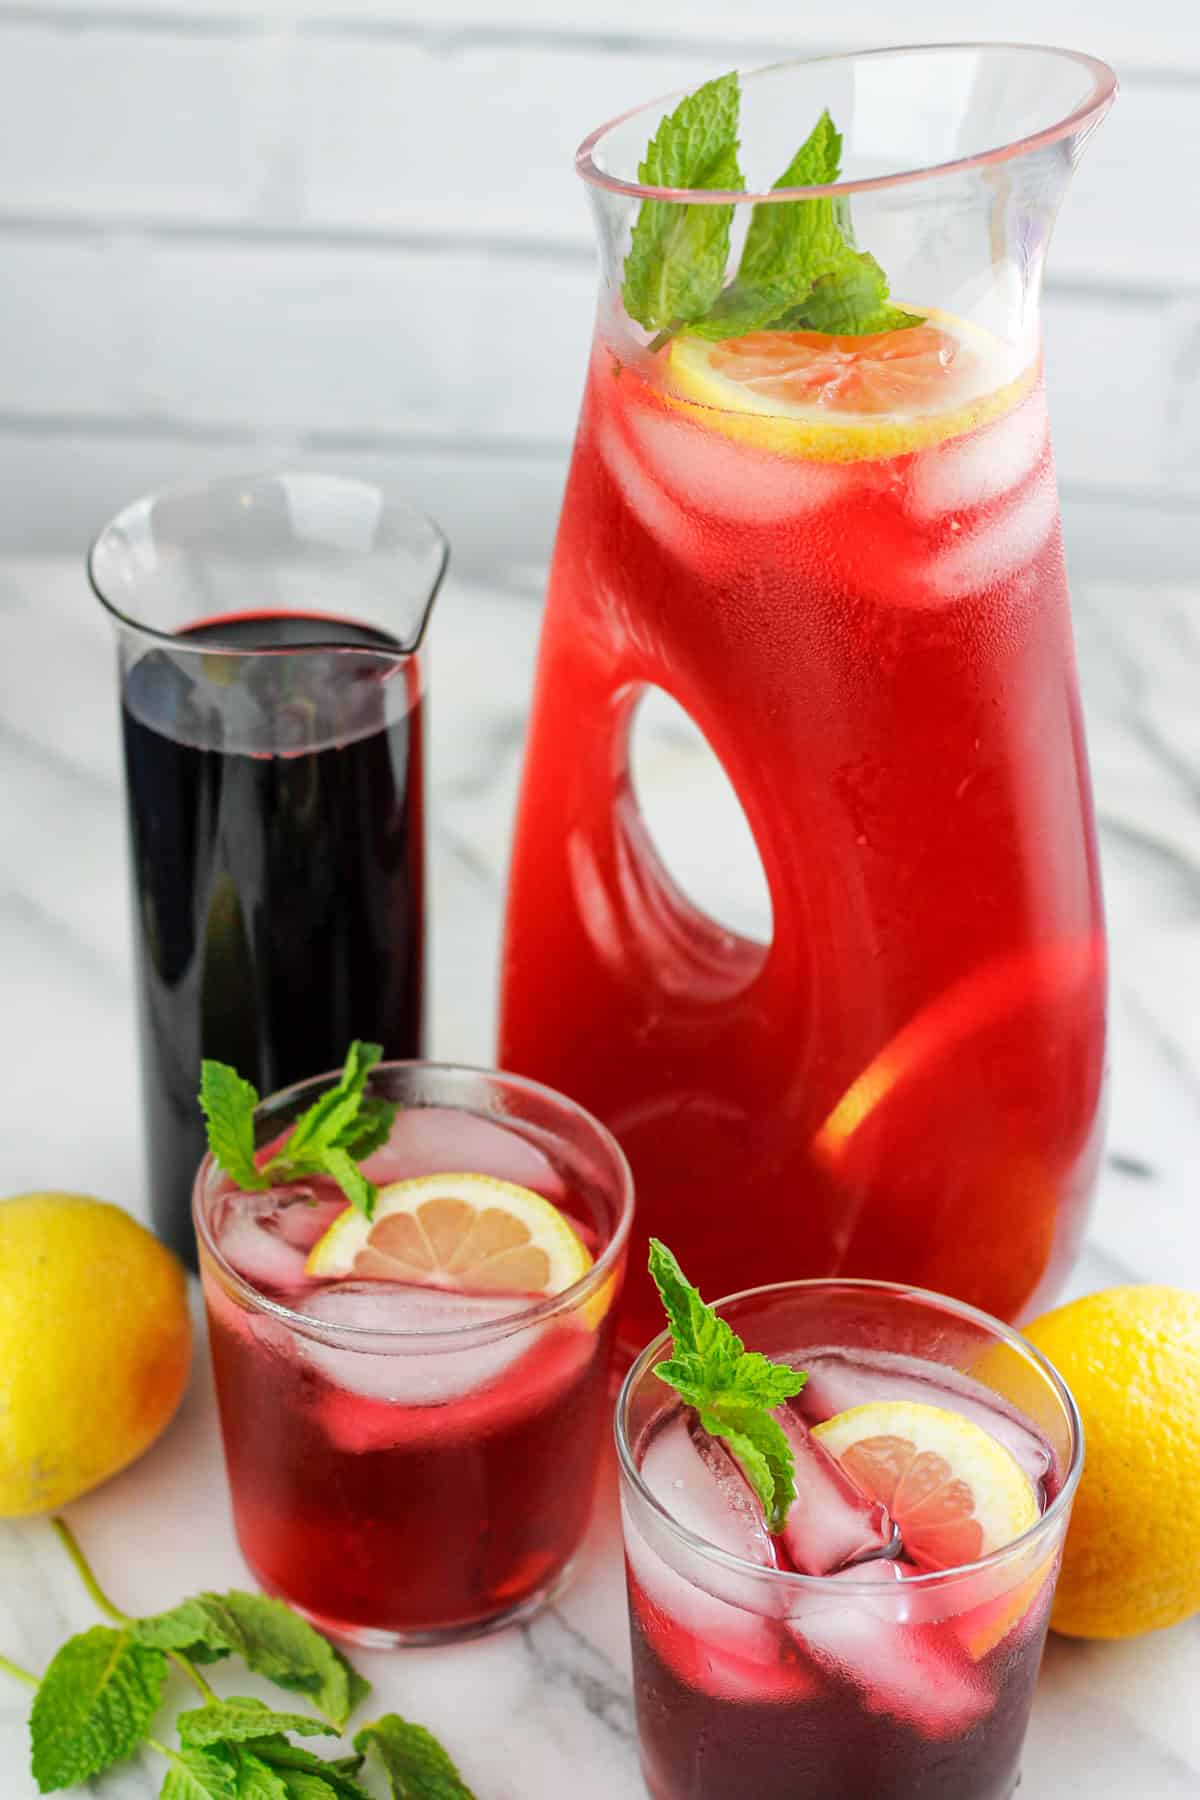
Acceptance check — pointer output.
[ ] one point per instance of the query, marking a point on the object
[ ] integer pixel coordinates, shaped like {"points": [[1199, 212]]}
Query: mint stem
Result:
{"points": [[83, 1568], [18, 1673], [194, 1676]]}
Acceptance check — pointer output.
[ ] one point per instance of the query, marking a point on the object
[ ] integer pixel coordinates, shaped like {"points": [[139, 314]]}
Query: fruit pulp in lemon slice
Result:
{"points": [[456, 1230], [848, 399], [953, 1491]]}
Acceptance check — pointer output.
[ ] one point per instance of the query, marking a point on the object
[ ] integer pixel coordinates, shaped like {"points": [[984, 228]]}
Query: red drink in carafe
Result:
{"points": [[875, 640]]}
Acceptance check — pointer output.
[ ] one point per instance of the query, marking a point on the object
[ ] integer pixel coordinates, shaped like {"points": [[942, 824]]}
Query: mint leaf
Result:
{"points": [[277, 1643], [187, 1629], [746, 306], [733, 1389], [677, 255], [413, 1760], [850, 301], [199, 1775], [370, 1131], [255, 1781], [345, 1171], [237, 1720], [297, 1765], [762, 1450], [228, 1104], [336, 1110], [301, 1785], [94, 1705], [798, 236], [787, 244], [697, 1331], [800, 270]]}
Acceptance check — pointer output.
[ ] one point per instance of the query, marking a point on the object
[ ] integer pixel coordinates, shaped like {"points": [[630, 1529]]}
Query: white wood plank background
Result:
{"points": [[233, 231]]}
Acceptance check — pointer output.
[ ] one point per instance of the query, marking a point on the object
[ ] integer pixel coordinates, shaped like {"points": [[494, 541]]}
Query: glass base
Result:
{"points": [[368, 1637], [658, 1792]]}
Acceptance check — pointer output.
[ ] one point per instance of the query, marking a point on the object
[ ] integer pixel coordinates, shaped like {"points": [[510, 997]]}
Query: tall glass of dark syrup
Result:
{"points": [[269, 633]]}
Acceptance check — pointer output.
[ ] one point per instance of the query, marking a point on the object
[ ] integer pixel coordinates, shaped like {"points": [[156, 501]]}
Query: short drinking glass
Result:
{"points": [[872, 1678], [410, 1462]]}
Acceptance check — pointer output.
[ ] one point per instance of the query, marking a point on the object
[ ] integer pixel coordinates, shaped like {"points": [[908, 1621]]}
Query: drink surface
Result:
{"points": [[276, 853], [386, 1487], [894, 1690], [907, 1082]]}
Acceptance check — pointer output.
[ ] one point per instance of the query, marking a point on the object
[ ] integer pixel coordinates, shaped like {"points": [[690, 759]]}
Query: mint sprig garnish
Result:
{"points": [[734, 1390], [799, 270], [337, 1132], [95, 1705]]}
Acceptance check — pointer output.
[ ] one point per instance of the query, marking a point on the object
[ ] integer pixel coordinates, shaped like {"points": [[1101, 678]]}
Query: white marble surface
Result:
{"points": [[547, 1710]]}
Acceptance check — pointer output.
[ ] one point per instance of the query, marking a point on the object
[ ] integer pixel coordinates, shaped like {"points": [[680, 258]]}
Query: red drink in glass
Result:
{"points": [[411, 1462], [827, 1663], [861, 602]]}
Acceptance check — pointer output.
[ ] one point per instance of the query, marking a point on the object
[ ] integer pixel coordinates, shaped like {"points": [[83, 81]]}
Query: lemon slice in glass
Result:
{"points": [[954, 1492], [456, 1230]]}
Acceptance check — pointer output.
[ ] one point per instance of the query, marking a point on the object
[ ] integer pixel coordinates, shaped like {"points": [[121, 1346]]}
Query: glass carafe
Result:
{"points": [[871, 629]]}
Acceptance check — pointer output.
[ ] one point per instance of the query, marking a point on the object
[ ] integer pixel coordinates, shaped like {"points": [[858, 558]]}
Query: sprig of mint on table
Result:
{"points": [[97, 1701], [340, 1130], [800, 269], [734, 1390]]}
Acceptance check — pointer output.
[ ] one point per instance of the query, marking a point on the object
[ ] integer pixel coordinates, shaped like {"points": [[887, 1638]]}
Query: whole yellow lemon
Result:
{"points": [[1131, 1357], [95, 1346]]}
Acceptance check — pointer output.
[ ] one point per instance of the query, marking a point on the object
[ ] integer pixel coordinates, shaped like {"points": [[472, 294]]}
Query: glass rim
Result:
{"points": [[845, 1583], [1104, 88], [457, 1337], [179, 490]]}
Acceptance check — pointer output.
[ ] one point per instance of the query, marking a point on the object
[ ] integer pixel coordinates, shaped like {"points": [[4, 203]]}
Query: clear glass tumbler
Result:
{"points": [[409, 1464], [876, 1682]]}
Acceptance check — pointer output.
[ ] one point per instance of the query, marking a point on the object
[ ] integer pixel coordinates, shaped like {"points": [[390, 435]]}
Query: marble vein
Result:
{"points": [[564, 1657]]}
